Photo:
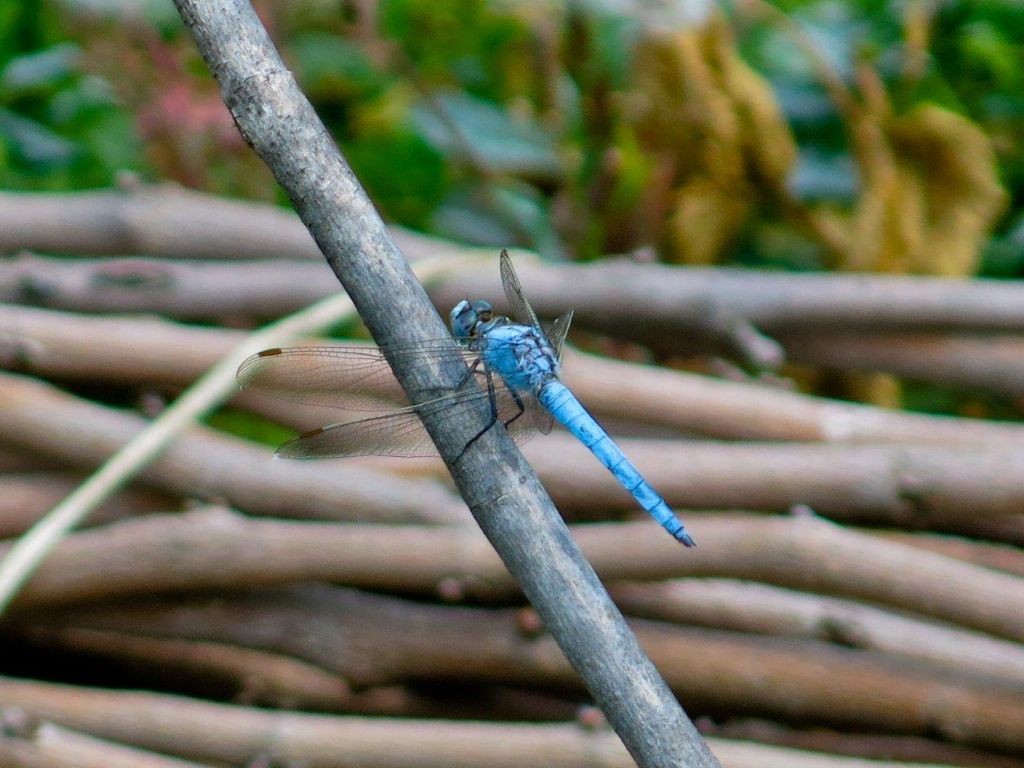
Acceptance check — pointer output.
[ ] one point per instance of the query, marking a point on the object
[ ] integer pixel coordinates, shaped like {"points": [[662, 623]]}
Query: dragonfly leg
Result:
{"points": [[492, 399], [469, 374], [519, 404], [435, 391]]}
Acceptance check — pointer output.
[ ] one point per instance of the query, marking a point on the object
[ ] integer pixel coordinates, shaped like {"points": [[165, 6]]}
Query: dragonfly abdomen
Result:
{"points": [[558, 399]]}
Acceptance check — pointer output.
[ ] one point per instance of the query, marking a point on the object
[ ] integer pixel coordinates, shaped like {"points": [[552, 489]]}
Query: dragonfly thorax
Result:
{"points": [[520, 354]]}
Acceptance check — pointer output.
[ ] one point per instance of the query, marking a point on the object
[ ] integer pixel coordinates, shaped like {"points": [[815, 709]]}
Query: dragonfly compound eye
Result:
{"points": [[463, 319], [484, 311]]}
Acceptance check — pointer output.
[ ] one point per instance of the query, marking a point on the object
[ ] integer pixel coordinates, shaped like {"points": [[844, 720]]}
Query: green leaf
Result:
{"points": [[32, 142], [39, 72], [404, 175], [505, 143], [512, 213], [333, 67]]}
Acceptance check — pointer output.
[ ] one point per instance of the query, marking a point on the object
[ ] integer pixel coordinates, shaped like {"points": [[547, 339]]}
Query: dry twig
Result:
{"points": [[165, 220], [53, 746], [224, 733], [371, 640], [214, 549], [208, 465], [134, 350], [767, 610]]}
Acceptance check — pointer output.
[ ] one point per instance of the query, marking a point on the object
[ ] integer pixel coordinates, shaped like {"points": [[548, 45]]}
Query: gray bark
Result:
{"points": [[500, 488]]}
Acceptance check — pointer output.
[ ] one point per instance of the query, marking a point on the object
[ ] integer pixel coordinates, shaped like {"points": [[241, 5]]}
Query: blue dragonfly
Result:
{"points": [[514, 365]]}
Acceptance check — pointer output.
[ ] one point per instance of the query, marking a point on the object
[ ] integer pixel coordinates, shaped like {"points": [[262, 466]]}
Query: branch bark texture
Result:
{"points": [[502, 491]]}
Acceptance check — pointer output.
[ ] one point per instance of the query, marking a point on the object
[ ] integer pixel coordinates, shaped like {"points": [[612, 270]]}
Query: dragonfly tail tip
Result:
{"points": [[684, 537]]}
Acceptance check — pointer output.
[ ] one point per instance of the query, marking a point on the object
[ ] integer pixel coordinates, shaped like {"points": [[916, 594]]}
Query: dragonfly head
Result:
{"points": [[467, 316]]}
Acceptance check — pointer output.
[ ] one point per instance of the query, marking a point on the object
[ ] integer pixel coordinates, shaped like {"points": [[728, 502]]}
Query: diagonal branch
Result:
{"points": [[500, 488]]}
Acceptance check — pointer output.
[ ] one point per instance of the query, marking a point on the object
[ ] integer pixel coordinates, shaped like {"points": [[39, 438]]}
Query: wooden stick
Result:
{"points": [[738, 754], [53, 746], [999, 557], [374, 640], [662, 305], [870, 746], [238, 735], [16, 460], [763, 609], [165, 220], [192, 289], [984, 363], [499, 487], [265, 289], [133, 350], [737, 410], [234, 735], [904, 485], [26, 496], [171, 222], [245, 675], [182, 289], [916, 486], [138, 450], [212, 549], [202, 463]]}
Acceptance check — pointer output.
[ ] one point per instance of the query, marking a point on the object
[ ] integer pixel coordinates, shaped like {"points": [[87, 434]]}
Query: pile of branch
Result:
{"points": [[859, 602]]}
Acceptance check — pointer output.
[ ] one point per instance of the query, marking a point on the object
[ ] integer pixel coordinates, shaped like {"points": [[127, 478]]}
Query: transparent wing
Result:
{"points": [[557, 331], [543, 420], [401, 433], [330, 375], [522, 312]]}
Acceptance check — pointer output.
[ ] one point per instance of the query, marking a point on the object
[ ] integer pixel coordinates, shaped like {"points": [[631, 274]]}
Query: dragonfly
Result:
{"points": [[513, 366]]}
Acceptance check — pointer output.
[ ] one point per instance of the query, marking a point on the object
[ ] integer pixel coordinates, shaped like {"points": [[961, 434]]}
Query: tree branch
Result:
{"points": [[759, 608], [676, 301], [663, 305], [983, 362], [52, 746], [911, 485], [863, 746], [500, 488], [189, 290], [27, 496]]}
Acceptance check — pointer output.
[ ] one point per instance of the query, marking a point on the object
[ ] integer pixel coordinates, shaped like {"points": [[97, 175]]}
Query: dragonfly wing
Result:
{"points": [[396, 433], [536, 419], [523, 312], [400, 432], [557, 331], [521, 309], [330, 375]]}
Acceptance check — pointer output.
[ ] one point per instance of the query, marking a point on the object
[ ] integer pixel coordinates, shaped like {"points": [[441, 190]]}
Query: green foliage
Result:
{"points": [[250, 426], [403, 174], [334, 69], [60, 127], [456, 42], [472, 119]]}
